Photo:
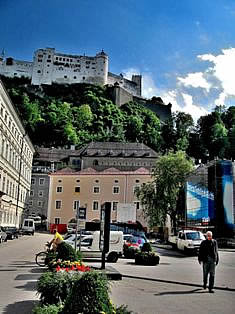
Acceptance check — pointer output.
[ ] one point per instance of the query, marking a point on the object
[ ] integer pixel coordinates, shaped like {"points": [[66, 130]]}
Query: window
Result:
{"points": [[76, 205], [58, 204], [40, 193], [77, 189], [115, 205], [41, 181], [57, 221], [96, 189], [95, 205], [39, 203], [59, 189], [116, 190], [31, 193], [137, 205]]}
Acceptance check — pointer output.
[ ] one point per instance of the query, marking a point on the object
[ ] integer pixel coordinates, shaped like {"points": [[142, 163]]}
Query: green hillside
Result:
{"points": [[61, 115]]}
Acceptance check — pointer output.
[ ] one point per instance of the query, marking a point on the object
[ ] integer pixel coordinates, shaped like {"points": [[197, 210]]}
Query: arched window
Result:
{"points": [[95, 162]]}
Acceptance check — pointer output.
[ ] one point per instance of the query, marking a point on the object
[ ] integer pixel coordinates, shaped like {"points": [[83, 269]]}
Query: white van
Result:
{"points": [[90, 246], [28, 226]]}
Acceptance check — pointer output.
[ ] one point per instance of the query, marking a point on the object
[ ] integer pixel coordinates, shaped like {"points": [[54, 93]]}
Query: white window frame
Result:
{"points": [[43, 180], [60, 204], [76, 205], [31, 193], [58, 188], [57, 223], [114, 202], [96, 187], [137, 205], [77, 186], [40, 193], [114, 187], [40, 203], [98, 203]]}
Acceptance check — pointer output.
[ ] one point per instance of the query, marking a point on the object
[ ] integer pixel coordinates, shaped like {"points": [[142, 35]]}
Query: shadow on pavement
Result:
{"points": [[28, 286], [22, 307], [180, 292]]}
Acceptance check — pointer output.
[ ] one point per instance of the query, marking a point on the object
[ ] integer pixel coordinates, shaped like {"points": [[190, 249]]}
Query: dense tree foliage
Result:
{"points": [[60, 115], [159, 197]]}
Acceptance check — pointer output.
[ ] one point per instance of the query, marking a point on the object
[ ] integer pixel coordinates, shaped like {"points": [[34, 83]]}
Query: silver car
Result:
{"points": [[3, 235]]}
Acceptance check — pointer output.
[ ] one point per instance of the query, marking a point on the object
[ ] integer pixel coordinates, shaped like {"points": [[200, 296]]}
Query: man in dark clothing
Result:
{"points": [[208, 255]]}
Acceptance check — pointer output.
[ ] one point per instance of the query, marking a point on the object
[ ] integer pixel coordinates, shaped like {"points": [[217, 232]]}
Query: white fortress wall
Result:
{"points": [[15, 68], [49, 66]]}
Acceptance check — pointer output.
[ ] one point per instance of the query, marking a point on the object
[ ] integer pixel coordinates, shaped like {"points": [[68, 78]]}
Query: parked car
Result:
{"points": [[28, 226], [12, 232], [133, 243], [3, 235]]}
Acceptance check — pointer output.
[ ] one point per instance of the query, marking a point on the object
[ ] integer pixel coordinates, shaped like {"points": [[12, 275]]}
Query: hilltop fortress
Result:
{"points": [[49, 67]]}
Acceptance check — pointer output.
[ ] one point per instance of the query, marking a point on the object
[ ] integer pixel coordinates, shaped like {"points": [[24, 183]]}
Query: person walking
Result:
{"points": [[209, 257]]}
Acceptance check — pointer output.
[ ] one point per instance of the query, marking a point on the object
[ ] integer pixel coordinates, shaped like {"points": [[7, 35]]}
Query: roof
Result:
{"points": [[109, 171], [118, 149]]}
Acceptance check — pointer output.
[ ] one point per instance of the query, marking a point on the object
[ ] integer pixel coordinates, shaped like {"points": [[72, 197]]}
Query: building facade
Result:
{"points": [[49, 67], [89, 188], [97, 155], [16, 156]]}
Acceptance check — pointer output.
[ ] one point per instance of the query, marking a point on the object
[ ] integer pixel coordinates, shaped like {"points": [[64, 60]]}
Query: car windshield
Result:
{"points": [[138, 240], [193, 235]]}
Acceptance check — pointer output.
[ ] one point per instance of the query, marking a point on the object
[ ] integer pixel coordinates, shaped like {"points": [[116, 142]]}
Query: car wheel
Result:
{"points": [[112, 257], [5, 240]]}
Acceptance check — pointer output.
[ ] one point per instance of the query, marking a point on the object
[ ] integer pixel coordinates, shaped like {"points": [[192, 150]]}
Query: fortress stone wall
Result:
{"points": [[49, 67]]}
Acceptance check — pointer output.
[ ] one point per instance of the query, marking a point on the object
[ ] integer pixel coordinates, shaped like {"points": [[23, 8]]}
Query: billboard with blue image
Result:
{"points": [[200, 204]]}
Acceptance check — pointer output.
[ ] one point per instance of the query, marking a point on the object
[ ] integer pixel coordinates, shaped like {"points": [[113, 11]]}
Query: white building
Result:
{"points": [[49, 67], [16, 155]]}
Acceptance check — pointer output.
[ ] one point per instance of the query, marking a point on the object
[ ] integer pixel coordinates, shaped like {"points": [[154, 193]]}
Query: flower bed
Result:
{"points": [[68, 266]]}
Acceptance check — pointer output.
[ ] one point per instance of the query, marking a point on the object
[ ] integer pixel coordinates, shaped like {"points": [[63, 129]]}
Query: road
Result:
{"points": [[173, 286]]}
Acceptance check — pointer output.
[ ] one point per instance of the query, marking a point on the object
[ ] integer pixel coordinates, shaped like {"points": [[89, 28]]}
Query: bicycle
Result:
{"points": [[41, 258]]}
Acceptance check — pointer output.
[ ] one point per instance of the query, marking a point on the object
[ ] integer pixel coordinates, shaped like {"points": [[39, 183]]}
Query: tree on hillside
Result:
{"points": [[159, 198], [176, 132]]}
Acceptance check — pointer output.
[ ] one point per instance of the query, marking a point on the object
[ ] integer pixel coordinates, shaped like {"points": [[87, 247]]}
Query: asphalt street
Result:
{"points": [[173, 286]]}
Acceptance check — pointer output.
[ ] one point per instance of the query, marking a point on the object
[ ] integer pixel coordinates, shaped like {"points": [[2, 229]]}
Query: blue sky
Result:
{"points": [[185, 49]]}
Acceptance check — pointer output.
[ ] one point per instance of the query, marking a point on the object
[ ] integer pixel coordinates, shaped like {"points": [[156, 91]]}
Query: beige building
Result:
{"points": [[89, 188], [16, 155]]}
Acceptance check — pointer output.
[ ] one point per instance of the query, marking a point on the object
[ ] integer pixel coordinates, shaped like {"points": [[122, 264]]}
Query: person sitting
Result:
{"points": [[57, 239]]}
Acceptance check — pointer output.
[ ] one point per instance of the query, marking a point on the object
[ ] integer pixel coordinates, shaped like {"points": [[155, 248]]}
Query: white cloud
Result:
{"points": [[175, 97], [195, 80], [180, 101], [196, 92], [223, 70]]}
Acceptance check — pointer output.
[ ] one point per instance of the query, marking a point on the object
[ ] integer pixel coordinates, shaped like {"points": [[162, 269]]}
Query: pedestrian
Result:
{"points": [[208, 255]]}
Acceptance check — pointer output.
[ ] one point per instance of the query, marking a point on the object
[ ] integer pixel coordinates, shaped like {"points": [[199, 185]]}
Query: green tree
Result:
{"points": [[159, 198]]}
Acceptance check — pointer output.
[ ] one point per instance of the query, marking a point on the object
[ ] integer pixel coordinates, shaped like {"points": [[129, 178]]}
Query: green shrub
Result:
{"points": [[54, 288], [66, 252], [47, 309], [146, 247], [89, 295], [146, 258]]}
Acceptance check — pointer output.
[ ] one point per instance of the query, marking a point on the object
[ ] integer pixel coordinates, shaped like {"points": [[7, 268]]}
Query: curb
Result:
{"points": [[177, 282]]}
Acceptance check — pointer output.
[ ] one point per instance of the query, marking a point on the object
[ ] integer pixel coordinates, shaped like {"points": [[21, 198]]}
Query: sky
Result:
{"points": [[184, 49]]}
